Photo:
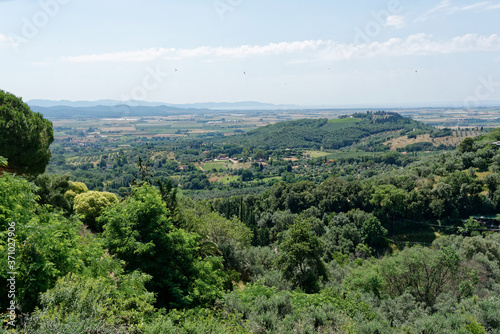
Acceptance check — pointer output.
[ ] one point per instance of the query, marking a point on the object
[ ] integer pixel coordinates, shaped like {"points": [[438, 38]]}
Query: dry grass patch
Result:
{"points": [[402, 142]]}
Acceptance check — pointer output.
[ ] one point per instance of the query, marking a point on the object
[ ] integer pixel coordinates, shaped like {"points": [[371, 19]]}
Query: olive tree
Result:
{"points": [[91, 204]]}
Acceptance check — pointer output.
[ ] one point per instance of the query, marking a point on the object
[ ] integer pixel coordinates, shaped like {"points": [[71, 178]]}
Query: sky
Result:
{"points": [[309, 53]]}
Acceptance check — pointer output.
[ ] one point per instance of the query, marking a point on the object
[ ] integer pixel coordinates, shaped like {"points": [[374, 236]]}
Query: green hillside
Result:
{"points": [[333, 134]]}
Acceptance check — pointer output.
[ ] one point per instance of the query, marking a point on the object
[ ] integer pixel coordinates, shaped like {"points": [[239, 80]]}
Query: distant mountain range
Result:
{"points": [[112, 103], [113, 111], [52, 108]]}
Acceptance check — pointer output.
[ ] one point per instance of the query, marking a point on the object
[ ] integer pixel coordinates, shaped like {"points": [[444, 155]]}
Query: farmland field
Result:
{"points": [[224, 123], [316, 154], [215, 165]]}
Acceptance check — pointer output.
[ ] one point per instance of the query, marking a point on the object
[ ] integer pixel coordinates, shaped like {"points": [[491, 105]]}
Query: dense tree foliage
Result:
{"points": [[300, 257], [91, 204], [82, 304], [48, 246], [140, 232], [52, 190], [25, 136]]}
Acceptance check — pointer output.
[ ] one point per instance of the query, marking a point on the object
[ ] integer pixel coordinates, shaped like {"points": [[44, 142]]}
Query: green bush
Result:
{"points": [[78, 304]]}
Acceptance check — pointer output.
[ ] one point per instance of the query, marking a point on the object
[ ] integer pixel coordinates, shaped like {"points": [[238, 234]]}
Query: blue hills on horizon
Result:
{"points": [[133, 103], [116, 108]]}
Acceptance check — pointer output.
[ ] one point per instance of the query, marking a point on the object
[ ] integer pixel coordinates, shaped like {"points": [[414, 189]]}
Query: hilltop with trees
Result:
{"points": [[329, 134]]}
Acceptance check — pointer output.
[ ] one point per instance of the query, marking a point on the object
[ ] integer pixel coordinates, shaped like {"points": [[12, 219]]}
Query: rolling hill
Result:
{"points": [[329, 134]]}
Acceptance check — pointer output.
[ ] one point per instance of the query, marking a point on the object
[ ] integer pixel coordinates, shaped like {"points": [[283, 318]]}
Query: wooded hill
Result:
{"points": [[329, 134]]}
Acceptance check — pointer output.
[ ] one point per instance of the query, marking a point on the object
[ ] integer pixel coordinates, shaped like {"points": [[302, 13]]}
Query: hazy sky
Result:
{"points": [[315, 52]]}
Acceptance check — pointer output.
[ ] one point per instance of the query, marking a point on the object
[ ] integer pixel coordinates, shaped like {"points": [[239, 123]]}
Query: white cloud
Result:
{"points": [[478, 5], [204, 51], [305, 51], [397, 21], [41, 63], [417, 44], [446, 8], [443, 5], [9, 41], [5, 40]]}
